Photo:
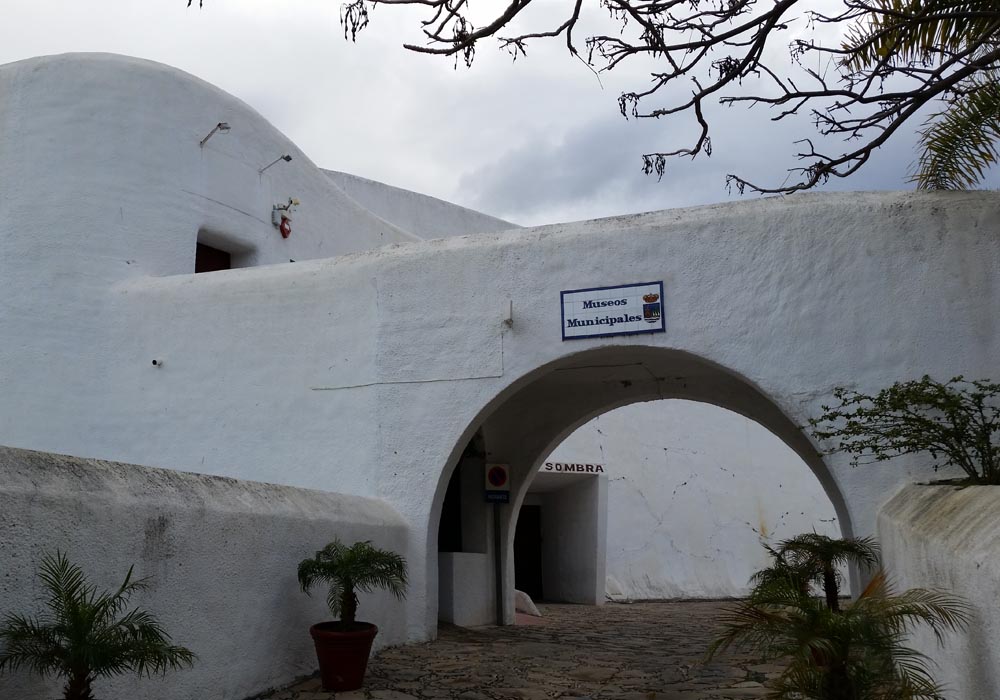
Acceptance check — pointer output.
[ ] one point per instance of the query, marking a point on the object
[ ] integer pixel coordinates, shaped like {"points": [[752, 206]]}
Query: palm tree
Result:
{"points": [[855, 653], [360, 567], [858, 653], [816, 559], [87, 635]]}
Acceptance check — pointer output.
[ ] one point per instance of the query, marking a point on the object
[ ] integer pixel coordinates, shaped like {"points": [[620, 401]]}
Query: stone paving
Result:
{"points": [[640, 651]]}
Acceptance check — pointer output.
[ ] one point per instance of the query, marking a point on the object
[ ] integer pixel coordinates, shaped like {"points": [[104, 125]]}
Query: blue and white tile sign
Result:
{"points": [[604, 311]]}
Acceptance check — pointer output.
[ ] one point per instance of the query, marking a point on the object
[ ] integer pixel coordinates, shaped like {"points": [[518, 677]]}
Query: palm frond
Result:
{"points": [[900, 31], [959, 144], [64, 581], [823, 551], [359, 567], [30, 645]]}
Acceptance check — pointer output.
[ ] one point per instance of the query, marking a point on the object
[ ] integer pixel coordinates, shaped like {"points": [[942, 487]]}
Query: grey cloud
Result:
{"points": [[593, 169], [534, 141]]}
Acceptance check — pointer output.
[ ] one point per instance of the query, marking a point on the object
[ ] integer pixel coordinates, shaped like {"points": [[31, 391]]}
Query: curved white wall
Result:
{"points": [[221, 556], [693, 489]]}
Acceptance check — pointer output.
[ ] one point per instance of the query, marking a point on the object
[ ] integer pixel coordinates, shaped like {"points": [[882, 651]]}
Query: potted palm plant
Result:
{"points": [[342, 647], [87, 635]]}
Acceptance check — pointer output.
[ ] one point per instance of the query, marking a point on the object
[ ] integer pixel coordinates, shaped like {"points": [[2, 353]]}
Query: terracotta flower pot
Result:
{"points": [[342, 651]]}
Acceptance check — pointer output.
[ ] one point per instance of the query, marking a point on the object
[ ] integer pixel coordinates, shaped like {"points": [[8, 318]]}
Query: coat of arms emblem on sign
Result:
{"points": [[651, 308]]}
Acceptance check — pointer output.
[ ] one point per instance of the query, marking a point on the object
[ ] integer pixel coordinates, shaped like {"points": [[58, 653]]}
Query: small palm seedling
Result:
{"points": [[87, 634], [854, 652], [342, 648]]}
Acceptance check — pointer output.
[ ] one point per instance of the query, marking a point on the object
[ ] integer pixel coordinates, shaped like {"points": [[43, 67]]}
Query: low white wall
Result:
{"points": [[222, 557], [692, 491], [466, 588], [949, 538], [574, 521]]}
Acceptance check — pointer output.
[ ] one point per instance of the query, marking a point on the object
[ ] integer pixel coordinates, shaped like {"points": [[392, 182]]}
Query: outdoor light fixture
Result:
{"points": [[285, 158], [221, 126]]}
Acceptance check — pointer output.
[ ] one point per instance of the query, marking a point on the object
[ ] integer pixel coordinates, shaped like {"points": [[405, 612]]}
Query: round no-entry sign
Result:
{"points": [[496, 476], [497, 483]]}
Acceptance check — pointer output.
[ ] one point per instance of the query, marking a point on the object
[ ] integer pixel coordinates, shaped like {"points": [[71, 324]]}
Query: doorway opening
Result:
{"points": [[528, 552]]}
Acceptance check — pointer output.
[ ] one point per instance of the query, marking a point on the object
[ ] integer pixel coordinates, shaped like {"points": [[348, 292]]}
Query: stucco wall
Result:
{"points": [[368, 373], [949, 538], [222, 557], [693, 490]]}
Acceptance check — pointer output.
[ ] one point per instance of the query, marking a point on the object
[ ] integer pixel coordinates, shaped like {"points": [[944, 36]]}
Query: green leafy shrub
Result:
{"points": [[360, 567], [87, 635], [853, 652], [956, 423]]}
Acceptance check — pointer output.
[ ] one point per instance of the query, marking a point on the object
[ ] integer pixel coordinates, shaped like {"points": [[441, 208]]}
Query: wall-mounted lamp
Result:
{"points": [[221, 126], [287, 158]]}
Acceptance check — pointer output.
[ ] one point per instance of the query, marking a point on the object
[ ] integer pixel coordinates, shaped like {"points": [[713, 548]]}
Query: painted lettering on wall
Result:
{"points": [[563, 467]]}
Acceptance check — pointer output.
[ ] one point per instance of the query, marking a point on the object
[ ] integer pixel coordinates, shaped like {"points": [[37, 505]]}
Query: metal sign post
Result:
{"points": [[497, 492], [497, 572]]}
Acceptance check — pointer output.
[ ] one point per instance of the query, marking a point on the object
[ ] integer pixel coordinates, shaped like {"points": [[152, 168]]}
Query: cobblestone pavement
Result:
{"points": [[642, 651]]}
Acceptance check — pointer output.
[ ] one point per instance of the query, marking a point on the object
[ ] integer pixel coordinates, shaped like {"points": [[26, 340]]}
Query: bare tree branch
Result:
{"points": [[897, 57]]}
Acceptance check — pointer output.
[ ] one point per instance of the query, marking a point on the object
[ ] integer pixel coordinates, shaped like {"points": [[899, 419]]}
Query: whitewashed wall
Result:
{"points": [[949, 538], [221, 555], [693, 490], [368, 373]]}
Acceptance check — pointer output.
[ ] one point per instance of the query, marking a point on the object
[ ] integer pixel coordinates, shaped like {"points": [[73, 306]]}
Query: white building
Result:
{"points": [[355, 380]]}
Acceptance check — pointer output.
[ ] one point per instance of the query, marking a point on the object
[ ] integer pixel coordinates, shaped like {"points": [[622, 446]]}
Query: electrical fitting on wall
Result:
{"points": [[286, 158], [281, 216], [508, 314]]}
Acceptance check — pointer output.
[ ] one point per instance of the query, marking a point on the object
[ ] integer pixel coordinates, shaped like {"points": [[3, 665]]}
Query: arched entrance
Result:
{"points": [[522, 425], [678, 497]]}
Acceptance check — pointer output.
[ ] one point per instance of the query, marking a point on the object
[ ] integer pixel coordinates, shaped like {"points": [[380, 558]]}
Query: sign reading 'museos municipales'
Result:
{"points": [[604, 311]]}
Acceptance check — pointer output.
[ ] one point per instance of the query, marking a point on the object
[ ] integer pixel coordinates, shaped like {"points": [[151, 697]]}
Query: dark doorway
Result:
{"points": [[209, 259], [450, 530], [528, 552]]}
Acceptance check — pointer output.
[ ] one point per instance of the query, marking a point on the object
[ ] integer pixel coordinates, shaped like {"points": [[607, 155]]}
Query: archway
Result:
{"points": [[668, 499], [523, 424]]}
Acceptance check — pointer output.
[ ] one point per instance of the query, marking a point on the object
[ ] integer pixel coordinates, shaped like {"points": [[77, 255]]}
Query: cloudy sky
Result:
{"points": [[533, 141]]}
